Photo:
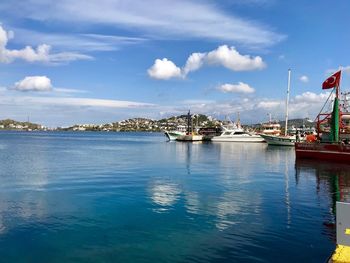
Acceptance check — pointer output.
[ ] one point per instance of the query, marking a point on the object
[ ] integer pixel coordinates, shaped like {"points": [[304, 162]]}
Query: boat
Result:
{"points": [[333, 133], [190, 135], [277, 139], [172, 135], [288, 140], [233, 132], [271, 128]]}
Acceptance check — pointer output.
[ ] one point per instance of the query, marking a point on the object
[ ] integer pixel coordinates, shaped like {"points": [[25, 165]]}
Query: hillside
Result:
{"points": [[9, 124]]}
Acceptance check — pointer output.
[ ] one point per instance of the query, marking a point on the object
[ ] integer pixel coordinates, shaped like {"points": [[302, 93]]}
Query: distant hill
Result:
{"points": [[143, 124], [9, 124]]}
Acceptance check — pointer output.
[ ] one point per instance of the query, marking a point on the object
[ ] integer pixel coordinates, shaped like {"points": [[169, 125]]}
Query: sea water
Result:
{"points": [[134, 197]]}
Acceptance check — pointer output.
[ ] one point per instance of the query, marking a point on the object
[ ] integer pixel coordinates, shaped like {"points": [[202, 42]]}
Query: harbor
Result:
{"points": [[180, 131]]}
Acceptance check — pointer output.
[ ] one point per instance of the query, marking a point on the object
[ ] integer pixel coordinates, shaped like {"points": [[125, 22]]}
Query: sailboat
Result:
{"points": [[333, 134], [286, 140]]}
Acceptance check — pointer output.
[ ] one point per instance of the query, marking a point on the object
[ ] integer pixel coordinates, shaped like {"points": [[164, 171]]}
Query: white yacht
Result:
{"points": [[235, 133]]}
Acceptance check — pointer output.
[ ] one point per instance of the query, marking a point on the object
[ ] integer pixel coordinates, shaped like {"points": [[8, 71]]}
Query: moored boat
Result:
{"points": [[233, 132], [271, 128], [172, 135], [332, 141], [279, 140], [276, 138], [190, 135]]}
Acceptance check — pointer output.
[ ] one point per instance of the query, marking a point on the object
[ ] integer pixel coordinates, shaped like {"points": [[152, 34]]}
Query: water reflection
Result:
{"points": [[335, 177], [331, 179], [164, 195], [221, 193]]}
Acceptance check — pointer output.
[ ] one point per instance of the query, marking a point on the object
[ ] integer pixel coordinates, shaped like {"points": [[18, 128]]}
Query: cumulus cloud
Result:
{"points": [[236, 88], [194, 62], [232, 59], [225, 56], [41, 54], [164, 69], [304, 79], [34, 83]]}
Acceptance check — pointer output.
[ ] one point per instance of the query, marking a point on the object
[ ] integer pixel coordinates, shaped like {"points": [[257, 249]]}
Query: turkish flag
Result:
{"points": [[332, 81]]}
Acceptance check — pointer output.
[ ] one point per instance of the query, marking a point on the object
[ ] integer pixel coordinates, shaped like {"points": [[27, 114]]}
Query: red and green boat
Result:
{"points": [[333, 130]]}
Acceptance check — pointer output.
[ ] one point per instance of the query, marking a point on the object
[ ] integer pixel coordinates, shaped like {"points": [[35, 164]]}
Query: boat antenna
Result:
{"points": [[287, 103]]}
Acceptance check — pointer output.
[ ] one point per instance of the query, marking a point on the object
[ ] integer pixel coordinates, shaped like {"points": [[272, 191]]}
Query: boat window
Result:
{"points": [[227, 133]]}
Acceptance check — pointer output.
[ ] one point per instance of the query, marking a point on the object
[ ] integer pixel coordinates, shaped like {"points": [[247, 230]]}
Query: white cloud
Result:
{"points": [[63, 111], [164, 69], [40, 54], [74, 102], [68, 91], [82, 42], [310, 97], [345, 69], [304, 79], [88, 102], [34, 83], [225, 56], [269, 104], [253, 109], [161, 18], [236, 88], [194, 62], [232, 59]]}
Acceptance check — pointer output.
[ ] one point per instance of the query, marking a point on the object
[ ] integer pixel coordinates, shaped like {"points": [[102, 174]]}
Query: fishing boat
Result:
{"points": [[190, 135], [172, 135], [277, 139], [233, 132], [333, 129]]}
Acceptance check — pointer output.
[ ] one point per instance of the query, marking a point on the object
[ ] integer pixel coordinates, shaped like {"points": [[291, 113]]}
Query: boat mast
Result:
{"points": [[188, 121], [287, 104]]}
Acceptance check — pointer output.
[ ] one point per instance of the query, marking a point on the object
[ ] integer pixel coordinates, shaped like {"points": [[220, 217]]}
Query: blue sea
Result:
{"points": [[134, 197]]}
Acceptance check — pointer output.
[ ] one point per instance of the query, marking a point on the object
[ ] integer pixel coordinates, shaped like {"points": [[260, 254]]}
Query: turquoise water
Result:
{"points": [[133, 197]]}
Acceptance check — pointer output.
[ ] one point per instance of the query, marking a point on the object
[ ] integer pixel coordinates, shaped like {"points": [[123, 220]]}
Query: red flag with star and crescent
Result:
{"points": [[332, 81]]}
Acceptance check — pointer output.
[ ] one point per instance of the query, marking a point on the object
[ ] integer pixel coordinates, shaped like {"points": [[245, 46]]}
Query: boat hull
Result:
{"points": [[172, 135], [189, 138], [238, 138], [337, 152], [279, 140]]}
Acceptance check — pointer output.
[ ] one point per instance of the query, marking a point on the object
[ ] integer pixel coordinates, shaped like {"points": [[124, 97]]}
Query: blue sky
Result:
{"points": [[65, 62]]}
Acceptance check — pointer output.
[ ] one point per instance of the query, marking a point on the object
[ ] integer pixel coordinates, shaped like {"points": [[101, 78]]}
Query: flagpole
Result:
{"points": [[287, 104]]}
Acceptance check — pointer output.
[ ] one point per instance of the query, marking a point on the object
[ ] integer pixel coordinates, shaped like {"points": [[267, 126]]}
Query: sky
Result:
{"points": [[67, 62]]}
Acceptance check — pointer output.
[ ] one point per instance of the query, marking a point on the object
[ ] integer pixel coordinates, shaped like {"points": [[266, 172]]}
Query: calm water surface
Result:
{"points": [[133, 197]]}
